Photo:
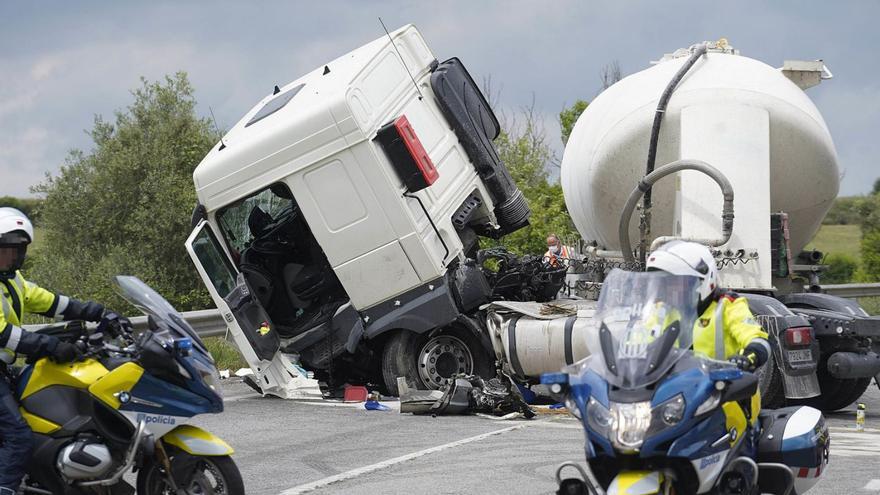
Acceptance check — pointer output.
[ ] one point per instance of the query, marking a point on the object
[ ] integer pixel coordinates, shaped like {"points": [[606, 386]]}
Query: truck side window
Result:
{"points": [[214, 261], [234, 219]]}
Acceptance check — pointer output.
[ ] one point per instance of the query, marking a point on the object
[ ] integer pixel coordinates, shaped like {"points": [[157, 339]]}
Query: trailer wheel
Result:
{"points": [[426, 361]]}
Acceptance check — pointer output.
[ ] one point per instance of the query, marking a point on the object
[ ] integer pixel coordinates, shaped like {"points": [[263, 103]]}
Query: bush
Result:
{"points": [[870, 271], [841, 269]]}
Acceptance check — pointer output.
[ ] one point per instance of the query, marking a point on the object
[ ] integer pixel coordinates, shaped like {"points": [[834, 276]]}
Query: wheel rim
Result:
{"points": [[207, 480], [442, 357]]}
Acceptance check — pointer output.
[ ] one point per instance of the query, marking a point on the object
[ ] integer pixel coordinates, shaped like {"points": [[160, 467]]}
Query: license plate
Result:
{"points": [[800, 356]]}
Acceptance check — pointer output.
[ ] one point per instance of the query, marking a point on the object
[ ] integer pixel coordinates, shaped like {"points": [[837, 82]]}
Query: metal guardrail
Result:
{"points": [[851, 291], [209, 323], [206, 323]]}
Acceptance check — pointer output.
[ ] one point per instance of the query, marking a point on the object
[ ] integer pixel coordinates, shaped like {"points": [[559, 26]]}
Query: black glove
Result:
{"points": [[113, 324], [746, 361], [64, 352], [79, 310]]}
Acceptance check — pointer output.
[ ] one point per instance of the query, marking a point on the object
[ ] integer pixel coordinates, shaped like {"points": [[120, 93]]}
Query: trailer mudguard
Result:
{"points": [[815, 300]]}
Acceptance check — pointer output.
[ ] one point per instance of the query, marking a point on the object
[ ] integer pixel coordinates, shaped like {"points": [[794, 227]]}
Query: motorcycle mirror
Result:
{"points": [[741, 389]]}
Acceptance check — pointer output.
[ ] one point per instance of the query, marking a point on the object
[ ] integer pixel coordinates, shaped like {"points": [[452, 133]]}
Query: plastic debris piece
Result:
{"points": [[372, 405], [224, 374], [244, 372], [354, 393], [513, 415]]}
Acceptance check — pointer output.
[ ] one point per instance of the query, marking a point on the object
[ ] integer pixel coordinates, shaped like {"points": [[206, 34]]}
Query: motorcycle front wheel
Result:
{"points": [[216, 475]]}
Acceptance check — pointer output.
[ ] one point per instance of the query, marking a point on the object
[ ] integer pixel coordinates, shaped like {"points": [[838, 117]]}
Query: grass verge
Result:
{"points": [[838, 239], [225, 354]]}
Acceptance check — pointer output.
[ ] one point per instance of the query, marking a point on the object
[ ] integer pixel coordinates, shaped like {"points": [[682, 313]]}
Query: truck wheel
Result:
{"points": [[858, 389], [770, 384], [836, 393], [426, 361]]}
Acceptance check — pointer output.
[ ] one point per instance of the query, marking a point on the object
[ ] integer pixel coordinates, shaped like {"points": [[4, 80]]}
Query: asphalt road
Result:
{"points": [[296, 447]]}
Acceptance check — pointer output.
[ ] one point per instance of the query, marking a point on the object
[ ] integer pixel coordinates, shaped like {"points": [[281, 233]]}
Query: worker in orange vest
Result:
{"points": [[556, 251]]}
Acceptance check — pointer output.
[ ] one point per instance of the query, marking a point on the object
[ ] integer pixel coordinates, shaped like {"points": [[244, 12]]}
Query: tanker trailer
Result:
{"points": [[701, 138]]}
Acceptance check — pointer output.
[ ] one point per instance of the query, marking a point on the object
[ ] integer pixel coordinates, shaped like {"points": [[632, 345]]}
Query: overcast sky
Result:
{"points": [[62, 63]]}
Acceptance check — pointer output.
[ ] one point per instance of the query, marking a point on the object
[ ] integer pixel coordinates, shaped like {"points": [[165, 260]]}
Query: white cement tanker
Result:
{"points": [[750, 126], [743, 117]]}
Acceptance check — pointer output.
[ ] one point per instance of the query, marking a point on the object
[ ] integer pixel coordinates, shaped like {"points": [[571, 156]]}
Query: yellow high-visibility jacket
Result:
{"points": [[726, 327], [17, 297], [738, 326]]}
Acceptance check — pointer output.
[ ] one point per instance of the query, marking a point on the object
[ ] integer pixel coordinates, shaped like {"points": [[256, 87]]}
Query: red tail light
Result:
{"points": [[407, 154], [799, 336]]}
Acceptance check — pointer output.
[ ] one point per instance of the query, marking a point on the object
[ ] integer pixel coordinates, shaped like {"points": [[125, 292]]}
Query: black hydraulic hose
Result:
{"points": [[699, 50], [677, 166]]}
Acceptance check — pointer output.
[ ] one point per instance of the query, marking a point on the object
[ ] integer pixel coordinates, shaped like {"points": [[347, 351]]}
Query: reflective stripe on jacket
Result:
{"points": [[736, 330], [18, 296]]}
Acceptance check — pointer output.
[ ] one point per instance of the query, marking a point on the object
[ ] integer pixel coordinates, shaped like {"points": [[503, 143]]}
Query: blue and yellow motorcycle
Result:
{"points": [[125, 407], [659, 420]]}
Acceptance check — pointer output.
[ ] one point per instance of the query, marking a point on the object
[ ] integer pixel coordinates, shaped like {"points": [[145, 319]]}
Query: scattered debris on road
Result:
{"points": [[466, 394]]}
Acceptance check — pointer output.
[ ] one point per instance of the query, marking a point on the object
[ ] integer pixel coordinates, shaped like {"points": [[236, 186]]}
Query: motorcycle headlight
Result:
{"points": [[213, 381], [209, 375], [631, 423], [671, 412]]}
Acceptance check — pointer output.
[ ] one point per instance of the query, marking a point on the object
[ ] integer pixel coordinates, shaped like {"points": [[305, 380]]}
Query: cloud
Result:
{"points": [[83, 59], [18, 161]]}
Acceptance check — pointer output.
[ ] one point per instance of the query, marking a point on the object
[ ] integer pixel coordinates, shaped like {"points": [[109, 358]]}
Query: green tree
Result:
{"points": [[876, 189], [124, 206], [525, 151], [568, 117]]}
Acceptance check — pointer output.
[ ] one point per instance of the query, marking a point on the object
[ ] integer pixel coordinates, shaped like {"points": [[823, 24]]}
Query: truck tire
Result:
{"points": [[858, 389], [770, 384], [427, 360], [836, 393]]}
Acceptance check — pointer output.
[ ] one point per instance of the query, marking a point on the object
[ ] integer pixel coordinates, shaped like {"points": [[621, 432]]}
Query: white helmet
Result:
{"points": [[687, 258], [16, 232]]}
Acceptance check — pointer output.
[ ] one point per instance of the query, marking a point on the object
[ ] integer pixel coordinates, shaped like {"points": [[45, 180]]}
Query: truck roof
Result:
{"points": [[304, 121]]}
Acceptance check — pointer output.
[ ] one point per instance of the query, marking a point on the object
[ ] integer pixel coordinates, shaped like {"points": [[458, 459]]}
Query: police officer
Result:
{"points": [[18, 296], [726, 328]]}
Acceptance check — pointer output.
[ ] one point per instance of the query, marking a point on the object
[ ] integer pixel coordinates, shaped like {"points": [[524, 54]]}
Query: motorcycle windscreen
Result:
{"points": [[243, 313], [644, 325]]}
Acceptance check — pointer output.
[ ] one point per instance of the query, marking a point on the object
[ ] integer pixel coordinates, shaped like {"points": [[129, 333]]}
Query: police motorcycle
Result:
{"points": [[659, 419], [125, 406]]}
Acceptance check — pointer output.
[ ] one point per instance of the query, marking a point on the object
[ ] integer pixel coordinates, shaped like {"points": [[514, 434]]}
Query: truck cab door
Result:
{"points": [[246, 319]]}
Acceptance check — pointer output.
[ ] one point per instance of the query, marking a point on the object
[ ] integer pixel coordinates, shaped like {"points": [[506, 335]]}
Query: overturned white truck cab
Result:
{"points": [[338, 221]]}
